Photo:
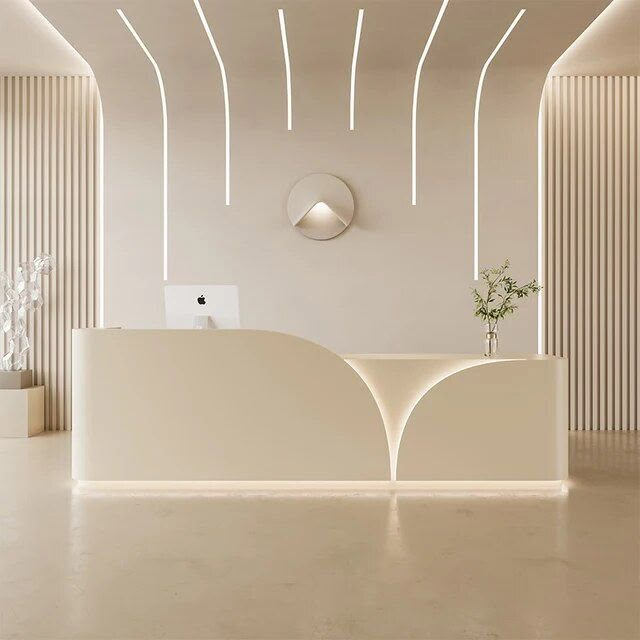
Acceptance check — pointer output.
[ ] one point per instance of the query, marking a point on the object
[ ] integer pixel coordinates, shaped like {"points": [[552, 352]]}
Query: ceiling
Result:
{"points": [[29, 45], [610, 46], [321, 32]]}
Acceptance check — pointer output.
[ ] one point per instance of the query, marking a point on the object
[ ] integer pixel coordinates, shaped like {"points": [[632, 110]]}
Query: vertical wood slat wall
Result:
{"points": [[49, 203], [591, 165]]}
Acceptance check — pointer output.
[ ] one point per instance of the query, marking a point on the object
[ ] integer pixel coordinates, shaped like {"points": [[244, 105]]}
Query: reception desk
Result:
{"points": [[267, 408]]}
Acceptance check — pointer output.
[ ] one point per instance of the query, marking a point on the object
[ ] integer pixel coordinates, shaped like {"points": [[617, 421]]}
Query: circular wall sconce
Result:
{"points": [[320, 206]]}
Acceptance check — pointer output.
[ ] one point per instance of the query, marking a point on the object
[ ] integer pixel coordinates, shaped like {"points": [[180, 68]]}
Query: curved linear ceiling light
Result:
{"points": [[416, 88], [354, 63], [101, 214], [476, 117], [540, 223], [287, 65], [225, 91], [163, 98]]}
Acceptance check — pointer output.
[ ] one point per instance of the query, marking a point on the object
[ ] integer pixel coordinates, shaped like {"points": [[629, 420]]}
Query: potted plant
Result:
{"points": [[499, 301]]}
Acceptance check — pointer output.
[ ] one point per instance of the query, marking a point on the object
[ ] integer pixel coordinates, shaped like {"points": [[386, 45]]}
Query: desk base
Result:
{"points": [[419, 487]]}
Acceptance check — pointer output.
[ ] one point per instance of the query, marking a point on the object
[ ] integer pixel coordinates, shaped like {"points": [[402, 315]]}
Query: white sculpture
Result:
{"points": [[19, 297]]}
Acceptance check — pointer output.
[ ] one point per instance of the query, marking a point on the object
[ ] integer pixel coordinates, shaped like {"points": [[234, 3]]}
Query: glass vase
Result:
{"points": [[490, 343]]}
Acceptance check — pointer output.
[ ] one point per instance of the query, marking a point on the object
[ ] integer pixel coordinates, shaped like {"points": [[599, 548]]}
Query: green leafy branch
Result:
{"points": [[502, 292]]}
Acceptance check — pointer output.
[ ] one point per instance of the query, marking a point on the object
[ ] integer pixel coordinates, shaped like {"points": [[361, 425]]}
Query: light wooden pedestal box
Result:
{"points": [[21, 412]]}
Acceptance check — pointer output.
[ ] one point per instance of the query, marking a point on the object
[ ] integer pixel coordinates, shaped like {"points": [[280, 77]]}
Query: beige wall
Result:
{"points": [[399, 278], [49, 203], [591, 177]]}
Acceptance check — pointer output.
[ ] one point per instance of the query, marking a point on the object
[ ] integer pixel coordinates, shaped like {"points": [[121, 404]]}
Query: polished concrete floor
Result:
{"points": [[162, 565]]}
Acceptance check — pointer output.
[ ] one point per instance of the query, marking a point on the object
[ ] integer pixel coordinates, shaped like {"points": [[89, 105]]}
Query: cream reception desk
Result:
{"points": [[265, 408]]}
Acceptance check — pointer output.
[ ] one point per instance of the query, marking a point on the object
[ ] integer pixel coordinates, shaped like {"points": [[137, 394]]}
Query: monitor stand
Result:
{"points": [[203, 322]]}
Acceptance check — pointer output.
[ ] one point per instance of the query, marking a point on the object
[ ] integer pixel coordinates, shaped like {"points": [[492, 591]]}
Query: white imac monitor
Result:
{"points": [[206, 306]]}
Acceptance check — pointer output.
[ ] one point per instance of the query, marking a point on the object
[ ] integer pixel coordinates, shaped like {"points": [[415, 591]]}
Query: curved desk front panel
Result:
{"points": [[505, 421], [220, 405], [460, 418], [258, 406]]}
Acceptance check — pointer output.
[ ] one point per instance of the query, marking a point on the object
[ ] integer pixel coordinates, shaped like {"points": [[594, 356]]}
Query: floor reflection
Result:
{"points": [[334, 565]]}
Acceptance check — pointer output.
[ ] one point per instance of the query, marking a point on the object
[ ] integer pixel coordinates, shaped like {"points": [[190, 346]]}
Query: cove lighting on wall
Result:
{"points": [[416, 89], [163, 98], [354, 63], [287, 66], [101, 218], [225, 91], [540, 228], [476, 118]]}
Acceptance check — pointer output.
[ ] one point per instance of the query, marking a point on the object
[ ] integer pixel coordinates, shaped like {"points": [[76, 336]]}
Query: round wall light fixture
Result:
{"points": [[320, 206]]}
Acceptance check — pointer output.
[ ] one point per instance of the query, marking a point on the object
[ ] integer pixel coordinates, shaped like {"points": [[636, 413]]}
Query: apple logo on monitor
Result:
{"points": [[201, 299]]}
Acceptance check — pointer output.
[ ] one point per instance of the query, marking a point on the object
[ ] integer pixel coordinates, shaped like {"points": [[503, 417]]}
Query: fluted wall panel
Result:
{"points": [[49, 202], [591, 143]]}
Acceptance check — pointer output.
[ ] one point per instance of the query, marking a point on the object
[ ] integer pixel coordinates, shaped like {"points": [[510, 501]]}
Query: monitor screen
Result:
{"points": [[201, 306]]}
